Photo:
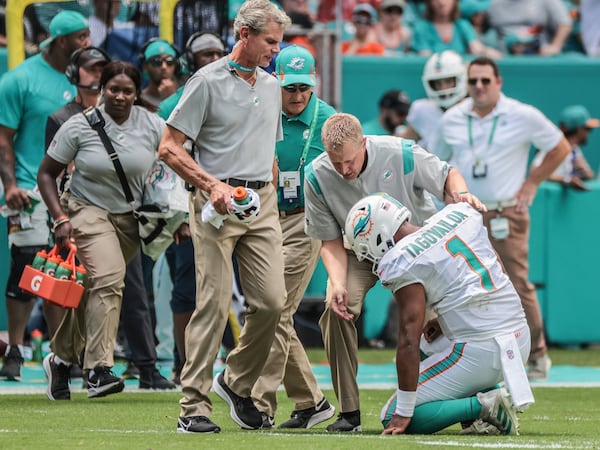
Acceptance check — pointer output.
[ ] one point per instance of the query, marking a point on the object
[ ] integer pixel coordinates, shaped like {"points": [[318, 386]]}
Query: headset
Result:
{"points": [[142, 58], [188, 56], [72, 70]]}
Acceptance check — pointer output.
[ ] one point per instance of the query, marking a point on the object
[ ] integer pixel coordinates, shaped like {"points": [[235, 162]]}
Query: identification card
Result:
{"points": [[499, 228], [479, 169], [289, 185]]}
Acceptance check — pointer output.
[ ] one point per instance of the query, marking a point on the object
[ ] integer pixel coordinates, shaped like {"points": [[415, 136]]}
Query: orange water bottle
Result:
{"points": [[240, 195]]}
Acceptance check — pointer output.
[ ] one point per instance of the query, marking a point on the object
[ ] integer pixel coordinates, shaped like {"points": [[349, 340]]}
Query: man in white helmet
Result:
{"points": [[445, 82], [448, 265]]}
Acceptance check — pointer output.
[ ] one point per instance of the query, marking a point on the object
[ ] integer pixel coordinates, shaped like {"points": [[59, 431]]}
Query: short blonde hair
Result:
{"points": [[339, 129], [256, 14]]}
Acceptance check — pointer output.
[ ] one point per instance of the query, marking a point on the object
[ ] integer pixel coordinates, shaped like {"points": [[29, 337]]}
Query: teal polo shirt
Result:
{"points": [[295, 132], [30, 93]]}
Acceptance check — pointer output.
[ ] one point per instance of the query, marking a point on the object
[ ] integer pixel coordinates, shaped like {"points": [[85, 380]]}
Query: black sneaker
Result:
{"points": [[241, 409], [307, 418], [196, 424], [346, 422], [12, 362], [75, 371], [58, 379], [102, 382], [150, 378], [131, 372], [268, 422]]}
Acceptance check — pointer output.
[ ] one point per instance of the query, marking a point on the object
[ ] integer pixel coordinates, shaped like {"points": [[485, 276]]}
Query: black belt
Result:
{"points": [[291, 212], [235, 182]]}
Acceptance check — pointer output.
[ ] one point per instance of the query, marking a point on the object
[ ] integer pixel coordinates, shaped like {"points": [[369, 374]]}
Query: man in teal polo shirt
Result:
{"points": [[303, 115], [28, 95]]}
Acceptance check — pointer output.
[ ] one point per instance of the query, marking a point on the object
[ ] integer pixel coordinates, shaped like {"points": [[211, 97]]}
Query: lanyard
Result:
{"points": [[490, 138], [311, 132]]}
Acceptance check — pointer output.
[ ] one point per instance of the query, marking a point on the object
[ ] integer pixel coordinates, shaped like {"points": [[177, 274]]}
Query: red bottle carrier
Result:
{"points": [[65, 293]]}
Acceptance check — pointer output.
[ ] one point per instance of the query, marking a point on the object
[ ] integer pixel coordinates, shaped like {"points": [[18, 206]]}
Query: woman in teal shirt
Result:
{"points": [[443, 29]]}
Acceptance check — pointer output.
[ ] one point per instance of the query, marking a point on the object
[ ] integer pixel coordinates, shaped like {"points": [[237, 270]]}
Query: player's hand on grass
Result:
{"points": [[397, 425]]}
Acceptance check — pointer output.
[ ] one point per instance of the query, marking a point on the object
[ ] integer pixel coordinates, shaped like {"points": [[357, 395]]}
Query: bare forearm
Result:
{"points": [[550, 162], [7, 166], [335, 260]]}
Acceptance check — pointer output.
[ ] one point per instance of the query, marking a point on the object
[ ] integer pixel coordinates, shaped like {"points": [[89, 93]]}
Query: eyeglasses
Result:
{"points": [[296, 87], [484, 81], [359, 19], [157, 61]]}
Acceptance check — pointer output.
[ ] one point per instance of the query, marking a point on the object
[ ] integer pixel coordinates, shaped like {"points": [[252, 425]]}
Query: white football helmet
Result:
{"points": [[371, 225], [447, 64]]}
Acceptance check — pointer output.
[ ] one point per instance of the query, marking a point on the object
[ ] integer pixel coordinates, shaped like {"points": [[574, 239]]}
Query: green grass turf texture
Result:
{"points": [[560, 418]]}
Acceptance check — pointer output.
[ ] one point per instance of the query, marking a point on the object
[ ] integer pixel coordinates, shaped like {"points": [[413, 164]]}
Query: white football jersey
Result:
{"points": [[424, 116], [465, 284]]}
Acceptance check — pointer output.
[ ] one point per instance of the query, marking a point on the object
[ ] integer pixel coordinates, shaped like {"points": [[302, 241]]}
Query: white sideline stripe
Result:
{"points": [[17, 390], [480, 444]]}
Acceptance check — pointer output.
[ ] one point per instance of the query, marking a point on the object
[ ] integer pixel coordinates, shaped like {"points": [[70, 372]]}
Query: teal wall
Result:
{"points": [[550, 84]]}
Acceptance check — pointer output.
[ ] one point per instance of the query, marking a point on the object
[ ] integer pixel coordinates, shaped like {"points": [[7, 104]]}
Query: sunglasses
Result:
{"points": [[393, 9], [157, 61], [484, 81], [296, 87], [361, 20]]}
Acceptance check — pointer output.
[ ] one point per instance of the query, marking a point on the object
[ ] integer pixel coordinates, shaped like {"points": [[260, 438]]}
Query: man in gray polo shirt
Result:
{"points": [[352, 167], [231, 109]]}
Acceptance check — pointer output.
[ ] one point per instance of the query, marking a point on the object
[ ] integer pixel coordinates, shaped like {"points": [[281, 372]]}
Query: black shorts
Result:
{"points": [[19, 258]]}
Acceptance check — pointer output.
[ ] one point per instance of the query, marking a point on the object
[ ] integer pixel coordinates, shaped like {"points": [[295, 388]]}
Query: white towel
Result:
{"points": [[515, 376]]}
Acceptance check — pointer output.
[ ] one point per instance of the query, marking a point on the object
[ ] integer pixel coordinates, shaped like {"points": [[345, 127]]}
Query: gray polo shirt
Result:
{"points": [[234, 125], [94, 178], [396, 166]]}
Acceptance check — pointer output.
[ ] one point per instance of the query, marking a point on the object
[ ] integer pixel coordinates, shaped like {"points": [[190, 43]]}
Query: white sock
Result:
{"points": [[57, 360]]}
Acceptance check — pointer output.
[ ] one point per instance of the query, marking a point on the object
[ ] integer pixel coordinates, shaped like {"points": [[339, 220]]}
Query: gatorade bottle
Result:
{"points": [[63, 271], [80, 274], [240, 196], [36, 345], [52, 264], [39, 260]]}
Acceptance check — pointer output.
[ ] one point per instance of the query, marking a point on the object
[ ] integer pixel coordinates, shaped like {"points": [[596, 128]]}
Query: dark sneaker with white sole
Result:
{"points": [[241, 409], [307, 418], [268, 422], [58, 378], [150, 378], [11, 365], [102, 382], [196, 424], [346, 422]]}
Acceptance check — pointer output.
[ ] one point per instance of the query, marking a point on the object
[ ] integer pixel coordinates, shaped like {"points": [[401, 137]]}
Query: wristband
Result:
{"points": [[60, 221], [463, 192], [405, 403]]}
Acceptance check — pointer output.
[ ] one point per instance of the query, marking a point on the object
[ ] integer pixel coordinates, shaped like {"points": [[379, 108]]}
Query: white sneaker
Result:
{"points": [[537, 369], [479, 427], [497, 409]]}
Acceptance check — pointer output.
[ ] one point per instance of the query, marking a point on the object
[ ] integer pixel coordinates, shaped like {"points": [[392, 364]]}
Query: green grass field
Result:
{"points": [[561, 418]]}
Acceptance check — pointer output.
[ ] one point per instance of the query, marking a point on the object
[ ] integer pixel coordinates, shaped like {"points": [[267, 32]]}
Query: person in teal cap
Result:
{"points": [[160, 64], [302, 116], [28, 95]]}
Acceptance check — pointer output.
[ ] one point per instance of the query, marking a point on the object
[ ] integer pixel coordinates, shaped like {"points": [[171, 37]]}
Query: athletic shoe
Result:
{"points": [[12, 362], [196, 424], [307, 418], [131, 372], [150, 378], [479, 427], [75, 371], [241, 409], [102, 382], [58, 378], [346, 422], [268, 422], [497, 409], [537, 369]]}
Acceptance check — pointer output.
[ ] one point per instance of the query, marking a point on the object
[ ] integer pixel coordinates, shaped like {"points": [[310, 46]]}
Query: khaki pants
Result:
{"points": [[258, 247], [105, 244], [514, 253], [340, 336], [288, 362]]}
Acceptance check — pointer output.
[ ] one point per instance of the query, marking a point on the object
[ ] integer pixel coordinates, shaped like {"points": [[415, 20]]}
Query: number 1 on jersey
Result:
{"points": [[456, 247]]}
